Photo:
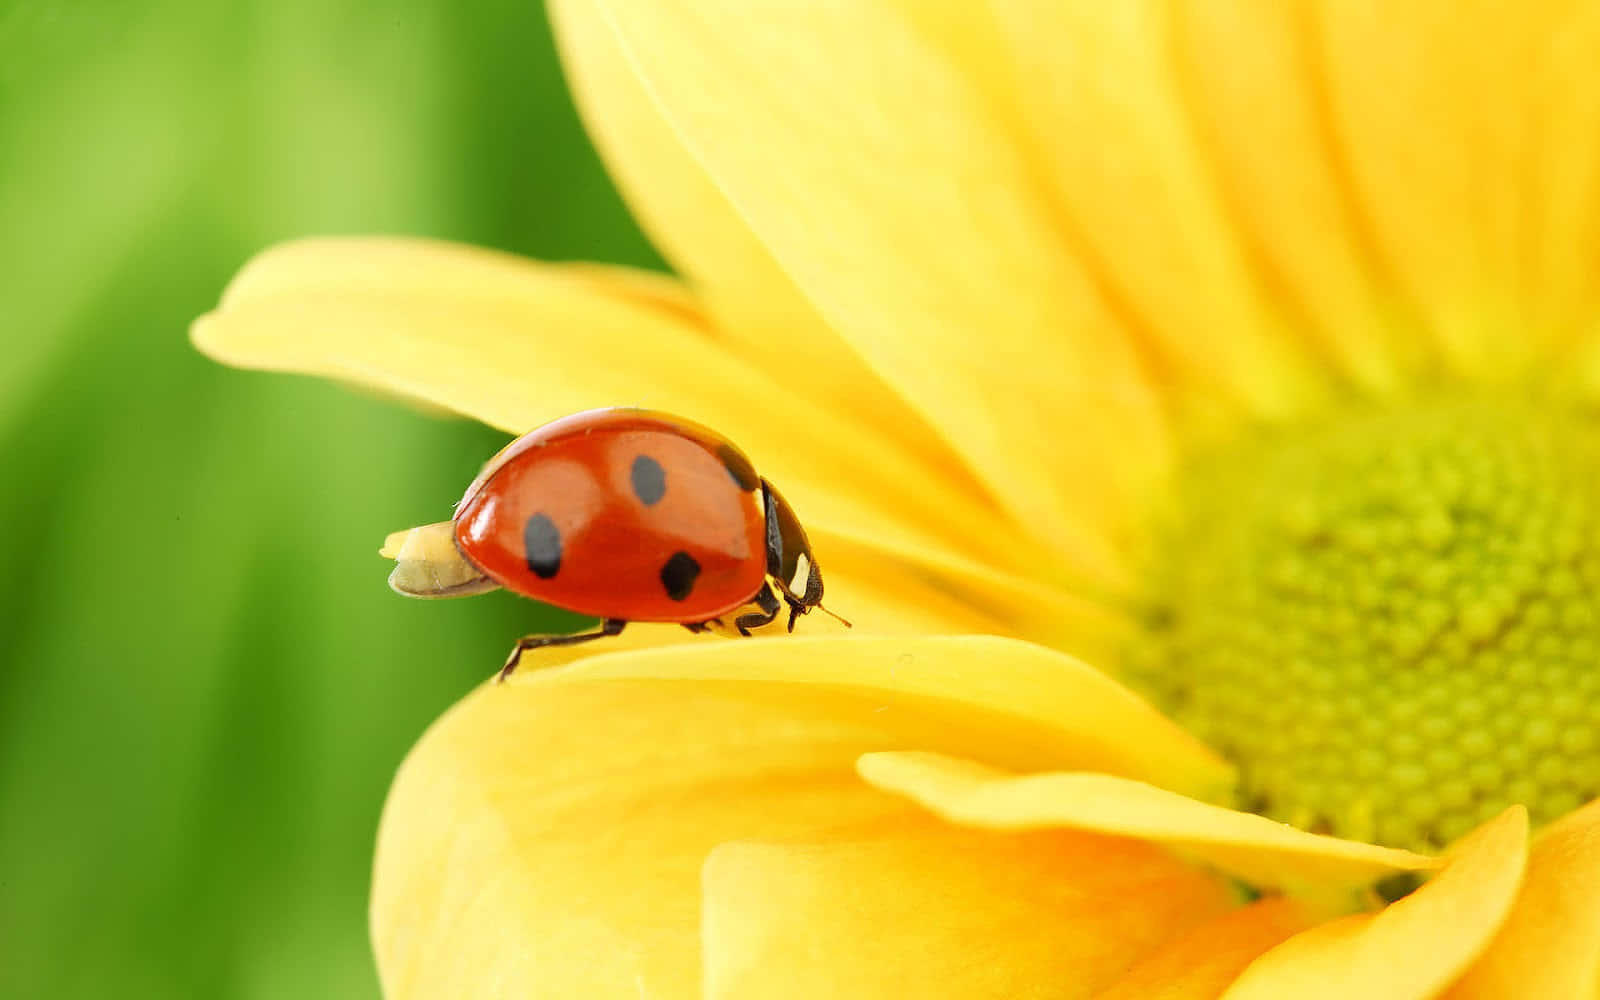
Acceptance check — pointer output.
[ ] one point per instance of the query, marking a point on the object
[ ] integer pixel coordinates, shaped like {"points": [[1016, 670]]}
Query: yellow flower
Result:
{"points": [[1244, 351]]}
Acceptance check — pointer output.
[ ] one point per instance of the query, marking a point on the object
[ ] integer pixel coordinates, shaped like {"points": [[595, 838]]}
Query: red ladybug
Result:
{"points": [[626, 515]]}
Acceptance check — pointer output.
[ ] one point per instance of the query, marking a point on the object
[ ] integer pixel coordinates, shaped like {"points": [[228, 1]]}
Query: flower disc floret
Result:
{"points": [[1388, 619]]}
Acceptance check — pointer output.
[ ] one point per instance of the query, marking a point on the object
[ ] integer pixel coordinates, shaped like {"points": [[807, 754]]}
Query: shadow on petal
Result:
{"points": [[1200, 964], [912, 907], [1413, 948]]}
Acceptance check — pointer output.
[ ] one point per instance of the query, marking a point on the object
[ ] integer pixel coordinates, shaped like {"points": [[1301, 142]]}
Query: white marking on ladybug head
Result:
{"points": [[802, 574]]}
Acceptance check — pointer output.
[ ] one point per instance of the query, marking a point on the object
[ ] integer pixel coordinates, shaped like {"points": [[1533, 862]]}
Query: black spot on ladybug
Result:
{"points": [[649, 480], [542, 542], [678, 575], [739, 467]]}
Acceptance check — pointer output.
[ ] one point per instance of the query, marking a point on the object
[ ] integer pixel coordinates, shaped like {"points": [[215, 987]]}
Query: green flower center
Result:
{"points": [[1389, 620]]}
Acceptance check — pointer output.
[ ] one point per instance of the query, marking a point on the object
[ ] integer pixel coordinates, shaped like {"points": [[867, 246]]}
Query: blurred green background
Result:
{"points": [[205, 685]]}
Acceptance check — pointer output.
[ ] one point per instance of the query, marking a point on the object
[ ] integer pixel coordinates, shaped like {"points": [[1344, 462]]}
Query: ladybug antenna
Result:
{"points": [[838, 618]]}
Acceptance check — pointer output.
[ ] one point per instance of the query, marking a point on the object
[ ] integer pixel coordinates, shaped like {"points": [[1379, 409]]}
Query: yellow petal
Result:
{"points": [[1413, 948], [1563, 240], [645, 288], [1435, 112], [1026, 705], [879, 182], [545, 837], [758, 311], [914, 908], [1588, 366], [1254, 848], [1200, 964], [1249, 78], [516, 344], [1550, 945], [881, 596], [1399, 185], [545, 840], [1106, 103], [965, 596], [483, 333]]}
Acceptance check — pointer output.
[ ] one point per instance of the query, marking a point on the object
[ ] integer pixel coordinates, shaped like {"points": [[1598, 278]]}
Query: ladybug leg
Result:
{"points": [[767, 601], [797, 607], [608, 627]]}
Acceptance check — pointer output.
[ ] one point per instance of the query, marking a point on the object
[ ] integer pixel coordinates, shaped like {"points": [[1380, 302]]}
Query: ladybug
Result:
{"points": [[625, 515]]}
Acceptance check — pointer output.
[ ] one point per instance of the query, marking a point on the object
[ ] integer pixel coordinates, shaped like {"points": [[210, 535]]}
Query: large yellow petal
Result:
{"points": [[1563, 240], [875, 175], [1435, 112], [1106, 104], [758, 311], [516, 344], [545, 837], [1248, 79], [1200, 964], [1397, 186], [1413, 948], [1550, 945], [1028, 706], [1254, 848], [916, 908], [545, 840]]}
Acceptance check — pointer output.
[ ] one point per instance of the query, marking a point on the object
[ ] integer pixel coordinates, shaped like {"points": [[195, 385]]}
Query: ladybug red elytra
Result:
{"points": [[626, 515]]}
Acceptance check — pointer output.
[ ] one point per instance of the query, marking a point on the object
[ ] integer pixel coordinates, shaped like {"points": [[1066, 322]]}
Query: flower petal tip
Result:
{"points": [[1258, 850]]}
